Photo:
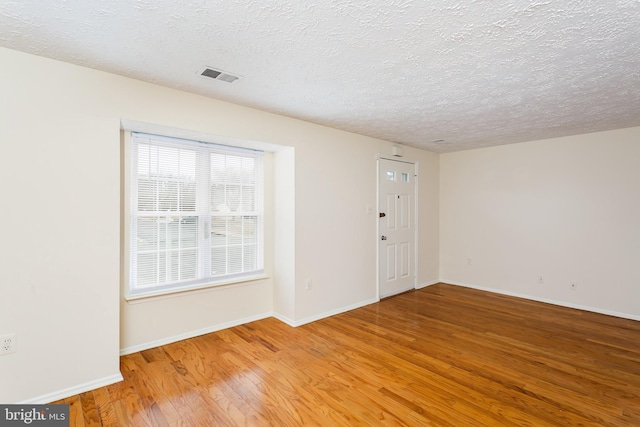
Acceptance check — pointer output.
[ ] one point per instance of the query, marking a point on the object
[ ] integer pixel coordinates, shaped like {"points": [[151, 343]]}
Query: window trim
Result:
{"points": [[170, 290], [173, 292]]}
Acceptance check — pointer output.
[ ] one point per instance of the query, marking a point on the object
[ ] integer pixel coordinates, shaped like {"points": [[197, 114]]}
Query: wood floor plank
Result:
{"points": [[440, 356], [106, 411], [76, 417], [89, 409]]}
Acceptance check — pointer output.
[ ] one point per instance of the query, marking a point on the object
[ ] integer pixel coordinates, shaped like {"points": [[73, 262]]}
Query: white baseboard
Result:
{"points": [[92, 385], [284, 319], [191, 334], [296, 323], [424, 285], [72, 391], [545, 300], [219, 327]]}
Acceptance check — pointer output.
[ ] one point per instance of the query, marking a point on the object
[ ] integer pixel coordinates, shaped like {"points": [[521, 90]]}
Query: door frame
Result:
{"points": [[415, 213]]}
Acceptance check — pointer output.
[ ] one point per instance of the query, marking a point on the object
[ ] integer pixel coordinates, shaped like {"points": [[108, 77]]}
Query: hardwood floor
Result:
{"points": [[441, 356]]}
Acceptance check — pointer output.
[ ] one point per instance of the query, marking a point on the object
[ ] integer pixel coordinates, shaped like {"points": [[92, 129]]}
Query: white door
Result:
{"points": [[396, 195]]}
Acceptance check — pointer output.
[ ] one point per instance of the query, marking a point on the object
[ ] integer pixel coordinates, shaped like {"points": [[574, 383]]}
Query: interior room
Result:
{"points": [[521, 123]]}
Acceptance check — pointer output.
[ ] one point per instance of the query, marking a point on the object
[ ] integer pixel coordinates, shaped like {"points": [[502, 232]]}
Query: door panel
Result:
{"points": [[391, 264], [396, 187], [390, 210], [405, 257], [405, 211]]}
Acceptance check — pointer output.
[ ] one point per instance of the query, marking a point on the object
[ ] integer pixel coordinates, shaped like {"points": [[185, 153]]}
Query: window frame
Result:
{"points": [[133, 293]]}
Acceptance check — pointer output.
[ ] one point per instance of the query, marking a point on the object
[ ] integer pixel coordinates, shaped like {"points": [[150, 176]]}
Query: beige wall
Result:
{"points": [[284, 266], [567, 209], [59, 180], [61, 223]]}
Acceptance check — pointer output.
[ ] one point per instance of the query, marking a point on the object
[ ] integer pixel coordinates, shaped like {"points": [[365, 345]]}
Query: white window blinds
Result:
{"points": [[196, 213]]}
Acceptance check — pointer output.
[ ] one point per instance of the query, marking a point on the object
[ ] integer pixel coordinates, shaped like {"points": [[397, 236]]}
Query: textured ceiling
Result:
{"points": [[474, 73]]}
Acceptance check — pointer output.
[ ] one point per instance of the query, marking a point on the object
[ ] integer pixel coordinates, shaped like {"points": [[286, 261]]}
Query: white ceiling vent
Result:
{"points": [[218, 75]]}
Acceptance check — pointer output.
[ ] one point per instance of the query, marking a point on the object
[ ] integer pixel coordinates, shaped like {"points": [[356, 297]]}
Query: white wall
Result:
{"points": [[331, 205], [59, 180], [429, 223], [284, 235], [60, 268], [566, 208]]}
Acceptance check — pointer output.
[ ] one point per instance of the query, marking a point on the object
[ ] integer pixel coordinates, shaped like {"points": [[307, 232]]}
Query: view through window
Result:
{"points": [[196, 213]]}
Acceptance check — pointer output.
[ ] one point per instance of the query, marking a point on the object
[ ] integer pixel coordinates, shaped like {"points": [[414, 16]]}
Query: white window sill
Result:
{"points": [[204, 287]]}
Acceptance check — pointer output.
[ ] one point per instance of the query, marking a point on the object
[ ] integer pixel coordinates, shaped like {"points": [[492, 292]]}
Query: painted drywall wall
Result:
{"points": [[59, 177], [566, 209], [284, 234], [60, 281], [429, 212], [339, 186]]}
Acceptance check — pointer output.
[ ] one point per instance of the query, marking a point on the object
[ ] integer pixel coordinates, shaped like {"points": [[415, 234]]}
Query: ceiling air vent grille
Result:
{"points": [[218, 75]]}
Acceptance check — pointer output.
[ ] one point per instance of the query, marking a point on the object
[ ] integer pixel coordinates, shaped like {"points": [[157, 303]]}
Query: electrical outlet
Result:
{"points": [[7, 344], [540, 279], [308, 284], [468, 261], [574, 286]]}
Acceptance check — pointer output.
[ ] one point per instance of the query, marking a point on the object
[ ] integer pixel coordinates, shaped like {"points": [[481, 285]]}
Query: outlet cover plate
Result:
{"points": [[7, 344]]}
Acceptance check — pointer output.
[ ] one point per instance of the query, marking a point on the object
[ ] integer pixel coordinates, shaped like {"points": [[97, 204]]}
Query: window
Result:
{"points": [[195, 214]]}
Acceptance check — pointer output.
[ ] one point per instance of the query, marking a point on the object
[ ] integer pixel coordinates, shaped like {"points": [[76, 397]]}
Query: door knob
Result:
{"points": [[382, 214], [383, 238]]}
